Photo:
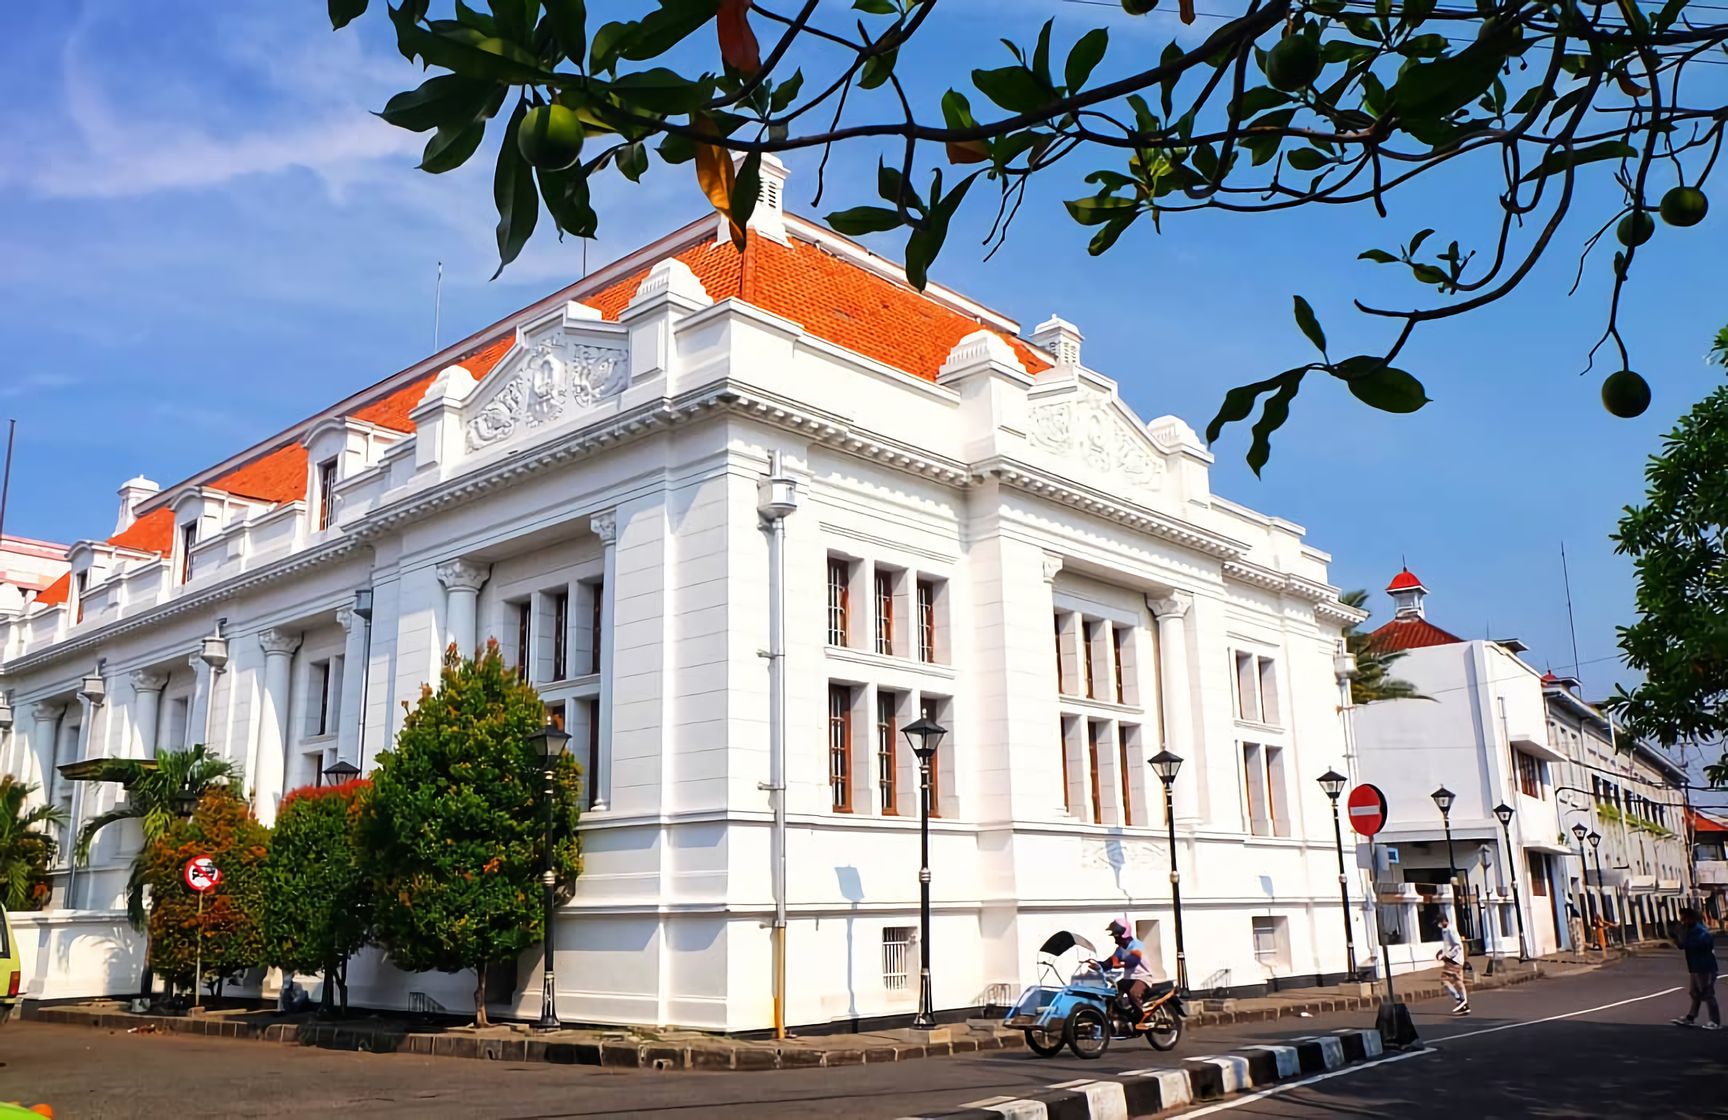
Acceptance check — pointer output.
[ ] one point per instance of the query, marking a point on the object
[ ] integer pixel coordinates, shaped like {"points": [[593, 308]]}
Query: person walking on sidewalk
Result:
{"points": [[1700, 949], [1451, 958]]}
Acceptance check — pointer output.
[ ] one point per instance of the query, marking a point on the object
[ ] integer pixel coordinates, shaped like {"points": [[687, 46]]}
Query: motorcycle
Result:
{"points": [[1086, 1013]]}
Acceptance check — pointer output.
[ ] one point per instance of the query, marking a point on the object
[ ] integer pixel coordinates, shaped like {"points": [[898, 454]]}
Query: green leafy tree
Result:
{"points": [[26, 846], [153, 787], [1281, 104], [317, 904], [1678, 541], [1373, 680], [223, 828], [451, 836]]}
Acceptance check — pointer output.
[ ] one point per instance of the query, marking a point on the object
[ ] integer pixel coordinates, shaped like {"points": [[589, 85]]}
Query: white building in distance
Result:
{"points": [[1480, 732], [983, 532], [1633, 797]]}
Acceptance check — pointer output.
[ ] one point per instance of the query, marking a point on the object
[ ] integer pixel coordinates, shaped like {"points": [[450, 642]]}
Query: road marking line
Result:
{"points": [[1553, 1018], [1289, 1085], [1359, 1067]]}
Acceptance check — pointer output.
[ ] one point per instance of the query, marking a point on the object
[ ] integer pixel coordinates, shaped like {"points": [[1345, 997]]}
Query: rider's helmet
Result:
{"points": [[1118, 931]]}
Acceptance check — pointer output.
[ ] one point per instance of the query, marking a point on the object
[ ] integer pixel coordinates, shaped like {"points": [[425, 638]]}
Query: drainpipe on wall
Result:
{"points": [[777, 498]]}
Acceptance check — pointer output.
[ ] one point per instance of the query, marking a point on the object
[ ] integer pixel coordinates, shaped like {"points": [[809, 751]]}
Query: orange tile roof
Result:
{"points": [[833, 298], [154, 532], [1409, 632], [276, 476], [392, 411], [56, 592]]}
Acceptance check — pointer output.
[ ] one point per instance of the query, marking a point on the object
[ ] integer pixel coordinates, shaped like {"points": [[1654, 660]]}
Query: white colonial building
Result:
{"points": [[971, 525], [1633, 797], [1480, 731]]}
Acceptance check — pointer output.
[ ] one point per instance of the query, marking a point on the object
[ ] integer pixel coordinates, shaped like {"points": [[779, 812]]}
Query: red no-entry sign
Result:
{"points": [[1367, 808]]}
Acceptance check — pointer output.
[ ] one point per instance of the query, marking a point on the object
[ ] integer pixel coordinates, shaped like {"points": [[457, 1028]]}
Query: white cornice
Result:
{"points": [[314, 557], [1032, 480]]}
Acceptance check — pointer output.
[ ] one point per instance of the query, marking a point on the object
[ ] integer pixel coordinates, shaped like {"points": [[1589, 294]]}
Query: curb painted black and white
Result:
{"points": [[1147, 1092]]}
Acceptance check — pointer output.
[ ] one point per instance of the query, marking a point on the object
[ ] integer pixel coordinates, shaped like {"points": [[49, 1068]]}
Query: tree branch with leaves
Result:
{"points": [[1286, 104]]}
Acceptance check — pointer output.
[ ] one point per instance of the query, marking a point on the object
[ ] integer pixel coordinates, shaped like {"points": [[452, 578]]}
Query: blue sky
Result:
{"points": [[204, 236]]}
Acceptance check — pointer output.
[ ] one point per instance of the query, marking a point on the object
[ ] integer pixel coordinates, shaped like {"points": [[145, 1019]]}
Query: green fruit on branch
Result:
{"points": [[1636, 228], [1625, 394], [550, 137], [1293, 63], [1684, 206]]}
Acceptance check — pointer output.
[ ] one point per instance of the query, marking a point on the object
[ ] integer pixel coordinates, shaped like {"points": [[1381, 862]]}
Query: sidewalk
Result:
{"points": [[695, 1050]]}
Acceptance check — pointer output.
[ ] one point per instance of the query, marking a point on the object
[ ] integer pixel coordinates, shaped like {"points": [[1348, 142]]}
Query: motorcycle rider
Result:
{"points": [[1130, 957]]}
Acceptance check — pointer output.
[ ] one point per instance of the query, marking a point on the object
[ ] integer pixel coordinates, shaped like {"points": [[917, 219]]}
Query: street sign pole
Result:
{"points": [[1367, 808], [198, 966]]}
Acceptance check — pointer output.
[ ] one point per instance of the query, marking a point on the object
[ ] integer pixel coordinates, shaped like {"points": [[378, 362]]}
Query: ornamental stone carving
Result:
{"points": [[148, 680], [557, 375], [605, 526], [463, 575], [277, 642], [1173, 605], [1093, 433]]}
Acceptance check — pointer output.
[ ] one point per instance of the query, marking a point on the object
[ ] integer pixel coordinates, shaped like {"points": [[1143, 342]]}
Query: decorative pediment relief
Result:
{"points": [[549, 378], [1095, 440]]}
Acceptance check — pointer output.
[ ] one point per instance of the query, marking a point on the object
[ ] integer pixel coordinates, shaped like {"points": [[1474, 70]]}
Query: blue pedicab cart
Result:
{"points": [[1084, 1012]]}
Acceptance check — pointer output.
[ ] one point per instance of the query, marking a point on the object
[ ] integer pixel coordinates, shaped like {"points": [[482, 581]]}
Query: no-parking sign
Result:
{"points": [[202, 874]]}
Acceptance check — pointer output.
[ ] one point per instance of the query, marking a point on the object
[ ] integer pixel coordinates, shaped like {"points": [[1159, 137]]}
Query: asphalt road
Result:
{"points": [[1500, 1062]]}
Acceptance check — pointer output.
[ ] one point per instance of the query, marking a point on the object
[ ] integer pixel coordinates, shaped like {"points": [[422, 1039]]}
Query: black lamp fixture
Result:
{"points": [[548, 743], [185, 802], [340, 771], [1333, 783], [1586, 916], [924, 735], [363, 603], [1443, 799], [1166, 765], [1580, 832], [1503, 813]]}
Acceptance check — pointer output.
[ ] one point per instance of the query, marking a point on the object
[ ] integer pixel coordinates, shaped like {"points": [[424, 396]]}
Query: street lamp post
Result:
{"points": [[1503, 811], [1165, 765], [1443, 799], [924, 734], [548, 743], [1580, 832], [1595, 839], [1333, 783]]}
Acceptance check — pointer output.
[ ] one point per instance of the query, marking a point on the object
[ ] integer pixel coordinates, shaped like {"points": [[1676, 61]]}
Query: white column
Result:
{"points": [[605, 526], [352, 712], [1176, 716], [147, 686], [198, 715], [39, 758], [279, 647], [462, 580]]}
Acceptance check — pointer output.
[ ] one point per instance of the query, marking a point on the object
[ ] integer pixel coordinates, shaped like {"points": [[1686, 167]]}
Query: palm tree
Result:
{"points": [[1372, 680], [26, 849], [158, 792]]}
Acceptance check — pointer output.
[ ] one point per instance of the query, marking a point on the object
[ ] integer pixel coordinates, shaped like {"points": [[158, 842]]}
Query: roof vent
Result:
{"points": [[132, 493], [1061, 339], [1407, 595], [769, 216]]}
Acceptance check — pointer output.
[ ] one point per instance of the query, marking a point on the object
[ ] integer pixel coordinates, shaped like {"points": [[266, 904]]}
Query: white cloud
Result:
{"points": [[34, 383]]}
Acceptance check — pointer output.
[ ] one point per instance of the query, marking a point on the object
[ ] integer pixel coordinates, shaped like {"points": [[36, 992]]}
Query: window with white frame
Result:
{"points": [[1258, 806], [897, 950], [323, 696], [882, 599], [560, 604], [1271, 941], [839, 600], [887, 752], [326, 493], [930, 603], [1256, 688], [174, 729], [522, 614]]}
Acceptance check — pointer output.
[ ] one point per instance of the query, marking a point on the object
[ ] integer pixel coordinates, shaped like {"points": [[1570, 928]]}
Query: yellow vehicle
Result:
{"points": [[11, 969]]}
